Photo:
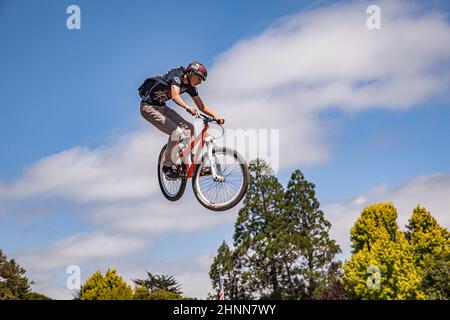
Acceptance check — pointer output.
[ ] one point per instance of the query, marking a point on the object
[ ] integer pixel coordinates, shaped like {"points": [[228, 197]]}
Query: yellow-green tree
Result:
{"points": [[428, 238], [382, 265], [111, 286]]}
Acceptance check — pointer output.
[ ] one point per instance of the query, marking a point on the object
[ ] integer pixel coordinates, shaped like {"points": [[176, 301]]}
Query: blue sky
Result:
{"points": [[64, 88], [83, 84]]}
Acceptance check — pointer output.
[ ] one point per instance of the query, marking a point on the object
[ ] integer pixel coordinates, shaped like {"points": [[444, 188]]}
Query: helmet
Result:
{"points": [[198, 69]]}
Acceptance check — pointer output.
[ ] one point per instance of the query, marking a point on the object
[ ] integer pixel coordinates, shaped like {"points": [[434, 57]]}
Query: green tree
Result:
{"points": [[282, 249], [226, 266], [157, 287], [311, 265], [143, 293], [14, 285], [37, 296], [382, 265], [436, 278], [162, 282], [108, 287], [428, 238], [259, 231]]}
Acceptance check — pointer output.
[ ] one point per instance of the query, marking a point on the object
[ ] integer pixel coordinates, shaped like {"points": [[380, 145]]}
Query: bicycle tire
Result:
{"points": [[237, 198], [183, 181]]}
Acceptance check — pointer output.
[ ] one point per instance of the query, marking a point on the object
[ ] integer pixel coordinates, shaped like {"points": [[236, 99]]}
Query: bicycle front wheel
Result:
{"points": [[221, 195]]}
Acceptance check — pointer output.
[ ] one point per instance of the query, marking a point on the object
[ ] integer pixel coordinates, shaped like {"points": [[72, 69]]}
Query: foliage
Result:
{"points": [[157, 287], [162, 282], [282, 249], [427, 237], [108, 287], [14, 285], [399, 262], [436, 278]]}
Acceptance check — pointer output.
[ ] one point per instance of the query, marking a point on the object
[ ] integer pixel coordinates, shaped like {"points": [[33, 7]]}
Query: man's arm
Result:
{"points": [[175, 93], [205, 109]]}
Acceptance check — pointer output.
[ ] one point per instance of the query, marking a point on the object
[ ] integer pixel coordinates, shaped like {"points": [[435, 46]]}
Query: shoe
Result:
{"points": [[171, 172], [206, 171]]}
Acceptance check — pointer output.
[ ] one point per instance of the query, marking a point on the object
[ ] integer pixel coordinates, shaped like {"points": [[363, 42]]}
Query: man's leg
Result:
{"points": [[181, 123], [156, 116]]}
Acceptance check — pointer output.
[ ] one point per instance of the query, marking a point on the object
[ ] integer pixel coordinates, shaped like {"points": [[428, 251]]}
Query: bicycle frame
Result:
{"points": [[188, 166]]}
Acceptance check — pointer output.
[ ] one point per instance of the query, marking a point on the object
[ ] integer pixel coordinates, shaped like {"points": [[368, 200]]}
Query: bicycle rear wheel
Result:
{"points": [[221, 196], [172, 189]]}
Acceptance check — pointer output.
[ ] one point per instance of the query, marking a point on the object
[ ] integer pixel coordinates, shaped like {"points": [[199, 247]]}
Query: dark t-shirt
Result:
{"points": [[156, 90]]}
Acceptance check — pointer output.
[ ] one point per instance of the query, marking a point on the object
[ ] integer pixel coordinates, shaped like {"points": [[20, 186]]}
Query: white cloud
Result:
{"points": [[325, 58], [123, 170], [431, 191], [79, 249], [157, 216]]}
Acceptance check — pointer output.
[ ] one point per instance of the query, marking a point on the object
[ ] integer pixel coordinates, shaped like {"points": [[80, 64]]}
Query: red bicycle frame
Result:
{"points": [[189, 166]]}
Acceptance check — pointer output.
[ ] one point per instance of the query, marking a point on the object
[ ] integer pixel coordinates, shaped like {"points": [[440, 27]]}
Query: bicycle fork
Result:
{"points": [[216, 170]]}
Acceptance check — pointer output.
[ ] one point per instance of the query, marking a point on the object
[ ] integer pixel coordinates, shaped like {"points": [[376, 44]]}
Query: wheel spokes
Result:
{"points": [[222, 192]]}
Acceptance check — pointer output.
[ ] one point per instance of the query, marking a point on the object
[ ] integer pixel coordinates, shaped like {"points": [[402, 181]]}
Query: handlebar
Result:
{"points": [[206, 118]]}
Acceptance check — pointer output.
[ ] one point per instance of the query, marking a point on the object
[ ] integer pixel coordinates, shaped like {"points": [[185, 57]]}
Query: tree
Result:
{"points": [[382, 265], [436, 278], [335, 291], [313, 267], [37, 296], [428, 238], [143, 293], [162, 282], [258, 230], [226, 266], [108, 287], [157, 287], [14, 285], [376, 222], [282, 249], [431, 247]]}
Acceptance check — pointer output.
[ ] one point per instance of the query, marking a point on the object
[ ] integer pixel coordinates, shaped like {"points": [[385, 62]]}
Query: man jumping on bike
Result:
{"points": [[156, 91]]}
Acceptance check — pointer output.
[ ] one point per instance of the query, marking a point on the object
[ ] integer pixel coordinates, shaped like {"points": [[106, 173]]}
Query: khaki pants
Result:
{"points": [[168, 121]]}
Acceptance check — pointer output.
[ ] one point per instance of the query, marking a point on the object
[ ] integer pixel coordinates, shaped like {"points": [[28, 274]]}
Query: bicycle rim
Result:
{"points": [[172, 189], [222, 195]]}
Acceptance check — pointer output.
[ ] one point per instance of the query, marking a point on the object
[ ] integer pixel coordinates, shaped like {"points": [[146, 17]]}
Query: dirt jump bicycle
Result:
{"points": [[219, 175]]}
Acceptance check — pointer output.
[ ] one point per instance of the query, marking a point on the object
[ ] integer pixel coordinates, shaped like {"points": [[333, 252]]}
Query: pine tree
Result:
{"points": [[282, 247], [258, 230], [227, 267], [158, 287], [159, 282], [14, 285], [313, 267]]}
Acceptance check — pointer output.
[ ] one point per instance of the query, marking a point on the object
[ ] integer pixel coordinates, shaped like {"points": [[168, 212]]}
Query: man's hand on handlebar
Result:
{"points": [[192, 111], [210, 119]]}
